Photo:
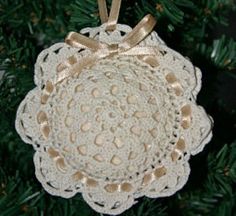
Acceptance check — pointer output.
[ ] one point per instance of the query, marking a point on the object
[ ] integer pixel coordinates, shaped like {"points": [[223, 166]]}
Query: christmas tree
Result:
{"points": [[189, 27]]}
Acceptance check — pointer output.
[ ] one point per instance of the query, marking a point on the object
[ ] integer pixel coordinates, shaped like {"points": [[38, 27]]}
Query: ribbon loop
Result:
{"points": [[113, 15], [102, 7]]}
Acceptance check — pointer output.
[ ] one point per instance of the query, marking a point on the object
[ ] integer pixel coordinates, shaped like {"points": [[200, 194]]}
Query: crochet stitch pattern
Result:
{"points": [[121, 129]]}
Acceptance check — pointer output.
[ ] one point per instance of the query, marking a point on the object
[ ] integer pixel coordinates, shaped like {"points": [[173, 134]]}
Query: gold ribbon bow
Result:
{"points": [[101, 50]]}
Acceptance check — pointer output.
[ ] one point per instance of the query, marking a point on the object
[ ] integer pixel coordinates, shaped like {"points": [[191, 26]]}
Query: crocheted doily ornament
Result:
{"points": [[113, 116]]}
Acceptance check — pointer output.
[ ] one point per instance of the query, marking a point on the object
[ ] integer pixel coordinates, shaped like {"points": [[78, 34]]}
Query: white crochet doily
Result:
{"points": [[119, 130]]}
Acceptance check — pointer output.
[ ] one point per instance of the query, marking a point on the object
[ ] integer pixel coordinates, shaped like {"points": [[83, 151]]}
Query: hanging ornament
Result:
{"points": [[113, 116]]}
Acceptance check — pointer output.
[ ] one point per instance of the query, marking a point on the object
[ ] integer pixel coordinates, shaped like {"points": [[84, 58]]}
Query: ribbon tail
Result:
{"points": [[77, 66], [140, 51], [77, 40], [145, 54], [140, 31]]}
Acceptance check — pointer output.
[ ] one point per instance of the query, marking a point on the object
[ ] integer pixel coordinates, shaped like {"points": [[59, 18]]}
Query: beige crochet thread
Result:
{"points": [[119, 130]]}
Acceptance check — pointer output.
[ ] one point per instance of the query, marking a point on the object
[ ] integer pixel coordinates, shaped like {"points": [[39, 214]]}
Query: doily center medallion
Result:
{"points": [[109, 122]]}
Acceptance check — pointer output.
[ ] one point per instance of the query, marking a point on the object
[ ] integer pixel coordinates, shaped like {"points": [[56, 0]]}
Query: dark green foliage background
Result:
{"points": [[29, 26]]}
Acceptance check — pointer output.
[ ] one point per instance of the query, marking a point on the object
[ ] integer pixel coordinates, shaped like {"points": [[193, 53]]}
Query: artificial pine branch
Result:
{"points": [[217, 194]]}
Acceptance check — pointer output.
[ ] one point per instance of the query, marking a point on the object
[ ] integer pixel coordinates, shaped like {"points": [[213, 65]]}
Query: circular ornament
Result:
{"points": [[115, 128]]}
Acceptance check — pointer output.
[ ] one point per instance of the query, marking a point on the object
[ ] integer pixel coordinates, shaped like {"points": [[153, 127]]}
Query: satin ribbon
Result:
{"points": [[59, 160], [44, 125], [173, 81], [186, 112], [102, 6], [113, 16], [47, 90], [100, 50]]}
